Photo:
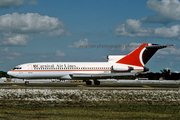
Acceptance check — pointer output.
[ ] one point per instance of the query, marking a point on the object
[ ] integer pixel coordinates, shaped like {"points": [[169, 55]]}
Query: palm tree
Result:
{"points": [[166, 73]]}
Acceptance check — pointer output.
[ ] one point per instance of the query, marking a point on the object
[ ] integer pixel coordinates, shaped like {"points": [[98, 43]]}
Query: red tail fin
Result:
{"points": [[135, 57], [140, 56]]}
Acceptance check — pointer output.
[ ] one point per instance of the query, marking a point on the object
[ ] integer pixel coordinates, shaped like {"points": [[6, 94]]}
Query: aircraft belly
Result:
{"points": [[51, 74], [34, 75]]}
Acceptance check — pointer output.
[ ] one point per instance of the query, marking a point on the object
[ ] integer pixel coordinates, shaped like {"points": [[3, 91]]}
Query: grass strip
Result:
{"points": [[84, 112]]}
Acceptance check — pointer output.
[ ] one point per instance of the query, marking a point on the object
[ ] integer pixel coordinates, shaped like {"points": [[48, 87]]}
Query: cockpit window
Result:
{"points": [[17, 68]]}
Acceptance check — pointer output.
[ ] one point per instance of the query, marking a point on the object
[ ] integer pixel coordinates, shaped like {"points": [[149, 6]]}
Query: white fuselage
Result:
{"points": [[61, 70]]}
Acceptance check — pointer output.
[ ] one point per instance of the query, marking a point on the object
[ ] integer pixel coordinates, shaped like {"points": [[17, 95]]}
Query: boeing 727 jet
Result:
{"points": [[116, 66]]}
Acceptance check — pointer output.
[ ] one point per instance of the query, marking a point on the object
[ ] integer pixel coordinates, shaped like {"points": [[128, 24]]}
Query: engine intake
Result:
{"points": [[117, 68]]}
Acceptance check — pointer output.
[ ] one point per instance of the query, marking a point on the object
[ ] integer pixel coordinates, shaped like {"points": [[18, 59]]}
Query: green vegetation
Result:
{"points": [[86, 112], [4, 74], [165, 74]]}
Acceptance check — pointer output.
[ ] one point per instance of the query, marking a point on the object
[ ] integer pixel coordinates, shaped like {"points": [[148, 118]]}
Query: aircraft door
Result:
{"points": [[29, 66]]}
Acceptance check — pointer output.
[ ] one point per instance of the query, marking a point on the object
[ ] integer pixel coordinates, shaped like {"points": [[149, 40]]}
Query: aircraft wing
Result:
{"points": [[99, 76]]}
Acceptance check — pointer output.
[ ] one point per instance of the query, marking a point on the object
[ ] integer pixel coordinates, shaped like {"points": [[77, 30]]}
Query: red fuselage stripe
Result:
{"points": [[67, 70], [53, 70]]}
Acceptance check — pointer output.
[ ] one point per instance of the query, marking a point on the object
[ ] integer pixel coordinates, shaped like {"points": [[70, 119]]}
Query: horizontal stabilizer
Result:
{"points": [[156, 46]]}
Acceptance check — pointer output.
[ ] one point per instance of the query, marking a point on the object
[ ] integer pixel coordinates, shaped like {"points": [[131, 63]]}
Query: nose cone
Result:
{"points": [[10, 73]]}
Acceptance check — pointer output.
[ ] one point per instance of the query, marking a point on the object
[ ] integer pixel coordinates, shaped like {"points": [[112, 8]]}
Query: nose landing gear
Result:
{"points": [[26, 83]]}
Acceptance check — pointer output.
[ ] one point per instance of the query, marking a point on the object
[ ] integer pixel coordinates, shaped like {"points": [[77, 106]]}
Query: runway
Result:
{"points": [[75, 85]]}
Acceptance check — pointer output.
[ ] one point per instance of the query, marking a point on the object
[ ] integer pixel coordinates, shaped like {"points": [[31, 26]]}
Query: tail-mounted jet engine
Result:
{"points": [[117, 68]]}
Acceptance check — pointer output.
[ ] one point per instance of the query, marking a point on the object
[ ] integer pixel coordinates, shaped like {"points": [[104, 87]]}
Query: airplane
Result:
{"points": [[115, 67]]}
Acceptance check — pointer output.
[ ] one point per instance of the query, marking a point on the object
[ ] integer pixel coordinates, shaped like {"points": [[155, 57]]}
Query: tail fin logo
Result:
{"points": [[135, 57]]}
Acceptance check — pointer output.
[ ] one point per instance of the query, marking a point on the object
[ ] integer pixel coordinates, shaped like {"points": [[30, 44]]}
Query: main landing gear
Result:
{"points": [[88, 82], [96, 82]]}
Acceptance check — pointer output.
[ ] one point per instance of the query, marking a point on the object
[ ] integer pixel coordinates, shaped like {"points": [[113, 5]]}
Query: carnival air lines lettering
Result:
{"points": [[54, 66]]}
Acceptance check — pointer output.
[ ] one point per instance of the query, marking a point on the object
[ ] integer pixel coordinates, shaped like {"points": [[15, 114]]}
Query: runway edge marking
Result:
{"points": [[81, 86], [16, 85], [146, 86]]}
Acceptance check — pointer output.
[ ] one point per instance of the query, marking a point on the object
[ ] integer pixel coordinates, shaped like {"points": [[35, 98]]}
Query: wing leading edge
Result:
{"points": [[99, 76]]}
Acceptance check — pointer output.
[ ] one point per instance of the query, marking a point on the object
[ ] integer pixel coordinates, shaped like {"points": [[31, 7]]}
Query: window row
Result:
{"points": [[17, 68], [80, 68]]}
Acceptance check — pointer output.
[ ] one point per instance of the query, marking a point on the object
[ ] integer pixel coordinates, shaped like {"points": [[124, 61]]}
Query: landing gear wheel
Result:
{"points": [[27, 82], [97, 83], [88, 82]]}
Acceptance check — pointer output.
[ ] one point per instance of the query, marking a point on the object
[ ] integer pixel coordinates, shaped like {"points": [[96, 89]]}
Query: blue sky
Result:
{"points": [[52, 31]]}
